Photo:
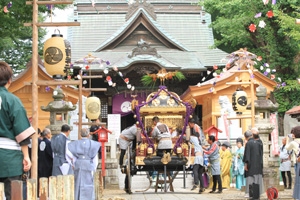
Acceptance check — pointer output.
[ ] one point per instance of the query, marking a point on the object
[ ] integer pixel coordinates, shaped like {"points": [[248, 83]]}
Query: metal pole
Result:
{"points": [[184, 176], [165, 174], [80, 107], [34, 168]]}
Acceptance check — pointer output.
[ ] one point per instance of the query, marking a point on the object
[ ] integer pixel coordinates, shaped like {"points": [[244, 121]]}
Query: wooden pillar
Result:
{"points": [[68, 181], [98, 183], [43, 190], [65, 187], [1, 191], [252, 100], [31, 189], [34, 167], [59, 188], [16, 190], [52, 188]]}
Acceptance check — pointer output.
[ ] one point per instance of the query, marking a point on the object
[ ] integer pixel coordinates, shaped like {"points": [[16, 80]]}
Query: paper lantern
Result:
{"points": [[239, 101], [57, 55], [93, 108]]}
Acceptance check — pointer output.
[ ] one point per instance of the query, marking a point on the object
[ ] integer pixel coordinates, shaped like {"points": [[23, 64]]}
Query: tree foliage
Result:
{"points": [[16, 40], [278, 43]]}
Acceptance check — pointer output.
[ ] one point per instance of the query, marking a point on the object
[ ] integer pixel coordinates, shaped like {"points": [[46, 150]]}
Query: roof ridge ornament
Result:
{"points": [[144, 48], [135, 5]]}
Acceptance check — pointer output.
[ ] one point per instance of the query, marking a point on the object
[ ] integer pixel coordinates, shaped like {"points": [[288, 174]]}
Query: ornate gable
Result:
{"points": [[140, 4], [140, 18]]}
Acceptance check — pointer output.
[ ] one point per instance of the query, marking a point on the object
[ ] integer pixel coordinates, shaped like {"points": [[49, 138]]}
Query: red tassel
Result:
{"points": [[170, 77], [153, 78]]}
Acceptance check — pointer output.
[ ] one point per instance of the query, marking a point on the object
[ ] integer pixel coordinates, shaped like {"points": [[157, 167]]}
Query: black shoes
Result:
{"points": [[219, 192], [194, 187], [201, 190]]}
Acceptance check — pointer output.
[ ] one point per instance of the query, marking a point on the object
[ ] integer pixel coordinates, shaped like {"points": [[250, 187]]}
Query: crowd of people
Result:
{"points": [[57, 155]]}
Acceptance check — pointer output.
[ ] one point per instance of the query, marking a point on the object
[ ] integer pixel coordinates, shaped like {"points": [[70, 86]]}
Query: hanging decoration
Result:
{"points": [[5, 9], [262, 24], [252, 27], [162, 75], [270, 14], [258, 15]]}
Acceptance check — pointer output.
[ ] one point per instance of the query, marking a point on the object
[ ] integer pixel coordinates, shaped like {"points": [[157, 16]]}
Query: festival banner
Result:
{"points": [[226, 124], [274, 135]]}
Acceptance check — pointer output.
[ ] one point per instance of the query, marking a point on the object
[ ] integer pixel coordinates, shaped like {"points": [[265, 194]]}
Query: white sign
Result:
{"points": [[114, 125]]}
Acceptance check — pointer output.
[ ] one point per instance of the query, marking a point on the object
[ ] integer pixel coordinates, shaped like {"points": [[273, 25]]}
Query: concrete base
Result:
{"points": [[111, 173]]}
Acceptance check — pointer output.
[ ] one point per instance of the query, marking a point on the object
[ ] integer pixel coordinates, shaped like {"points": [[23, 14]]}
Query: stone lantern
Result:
{"points": [[263, 108], [58, 111]]}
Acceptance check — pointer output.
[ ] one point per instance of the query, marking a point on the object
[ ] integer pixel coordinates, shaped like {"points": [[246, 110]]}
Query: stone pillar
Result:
{"points": [[263, 108]]}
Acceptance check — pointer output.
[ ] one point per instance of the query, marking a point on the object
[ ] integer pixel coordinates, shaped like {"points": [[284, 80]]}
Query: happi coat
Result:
{"points": [[15, 129], [285, 159], [62, 158], [130, 134], [85, 161], [162, 131], [214, 159]]}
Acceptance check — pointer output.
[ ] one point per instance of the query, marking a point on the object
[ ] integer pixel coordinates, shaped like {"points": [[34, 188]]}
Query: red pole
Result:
{"points": [[103, 161], [103, 158]]}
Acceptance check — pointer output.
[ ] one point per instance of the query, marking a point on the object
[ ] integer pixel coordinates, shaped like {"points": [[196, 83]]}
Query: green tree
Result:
{"points": [[16, 40], [278, 43]]}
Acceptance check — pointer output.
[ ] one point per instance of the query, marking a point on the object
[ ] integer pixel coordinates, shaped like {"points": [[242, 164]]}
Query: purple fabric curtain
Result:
{"points": [[122, 105]]}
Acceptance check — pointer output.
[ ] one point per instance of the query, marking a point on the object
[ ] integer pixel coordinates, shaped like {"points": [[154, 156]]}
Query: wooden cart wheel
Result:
{"points": [[129, 169]]}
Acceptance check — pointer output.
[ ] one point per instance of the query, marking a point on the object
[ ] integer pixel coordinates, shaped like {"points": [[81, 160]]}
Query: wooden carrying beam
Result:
{"points": [[51, 83], [91, 123], [49, 2], [240, 117], [88, 77], [54, 24], [95, 89]]}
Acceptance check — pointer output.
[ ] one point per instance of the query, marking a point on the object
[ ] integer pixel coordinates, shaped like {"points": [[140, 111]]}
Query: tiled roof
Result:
{"points": [[127, 24], [176, 60], [185, 30], [293, 111]]}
